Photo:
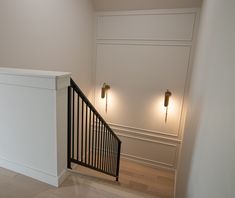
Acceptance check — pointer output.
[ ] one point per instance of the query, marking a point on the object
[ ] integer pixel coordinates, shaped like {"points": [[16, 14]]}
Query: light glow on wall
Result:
{"points": [[160, 109], [112, 101]]}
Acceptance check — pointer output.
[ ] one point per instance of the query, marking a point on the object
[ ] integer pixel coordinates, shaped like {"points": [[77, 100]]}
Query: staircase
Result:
{"points": [[91, 142]]}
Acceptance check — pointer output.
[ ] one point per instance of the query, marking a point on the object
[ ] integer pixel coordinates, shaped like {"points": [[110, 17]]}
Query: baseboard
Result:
{"points": [[33, 173], [176, 173], [62, 177]]}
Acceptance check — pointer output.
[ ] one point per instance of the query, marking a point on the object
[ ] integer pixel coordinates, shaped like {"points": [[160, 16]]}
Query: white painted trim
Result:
{"points": [[194, 11], [62, 82], [151, 163], [146, 140], [187, 81], [33, 173], [140, 130], [156, 137], [143, 39], [143, 42], [176, 172], [184, 107], [143, 136], [34, 78], [148, 12], [33, 73], [62, 177]]}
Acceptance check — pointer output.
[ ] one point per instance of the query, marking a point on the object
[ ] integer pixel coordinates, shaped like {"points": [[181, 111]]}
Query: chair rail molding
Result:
{"points": [[169, 142]]}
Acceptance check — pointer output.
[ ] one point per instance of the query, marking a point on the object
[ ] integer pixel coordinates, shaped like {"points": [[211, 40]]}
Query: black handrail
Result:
{"points": [[91, 142]]}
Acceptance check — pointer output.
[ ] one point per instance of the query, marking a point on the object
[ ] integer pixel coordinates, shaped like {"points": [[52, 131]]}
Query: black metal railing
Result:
{"points": [[91, 142]]}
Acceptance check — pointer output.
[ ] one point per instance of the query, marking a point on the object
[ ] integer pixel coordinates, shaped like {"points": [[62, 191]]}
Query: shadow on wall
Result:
{"points": [[188, 145]]}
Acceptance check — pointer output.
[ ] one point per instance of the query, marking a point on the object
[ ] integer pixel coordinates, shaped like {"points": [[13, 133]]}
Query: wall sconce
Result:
{"points": [[166, 102], [104, 94]]}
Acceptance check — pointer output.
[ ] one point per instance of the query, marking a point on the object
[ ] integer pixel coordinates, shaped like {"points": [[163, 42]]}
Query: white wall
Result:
{"points": [[141, 54], [207, 161], [33, 123], [49, 35]]}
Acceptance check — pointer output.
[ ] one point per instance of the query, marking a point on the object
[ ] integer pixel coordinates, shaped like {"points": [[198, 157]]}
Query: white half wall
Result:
{"points": [[207, 161], [33, 123], [141, 54], [49, 35]]}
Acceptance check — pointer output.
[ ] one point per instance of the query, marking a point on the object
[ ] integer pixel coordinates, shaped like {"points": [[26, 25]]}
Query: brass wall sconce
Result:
{"points": [[166, 102], [104, 94]]}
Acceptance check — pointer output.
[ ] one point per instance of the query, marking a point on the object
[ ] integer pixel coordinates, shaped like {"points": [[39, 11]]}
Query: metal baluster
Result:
{"points": [[89, 139], [78, 129], [98, 146], [82, 132], [104, 145], [118, 160], [86, 137], [96, 142], [113, 155], [106, 150], [69, 128], [93, 134], [110, 152], [73, 129], [101, 145]]}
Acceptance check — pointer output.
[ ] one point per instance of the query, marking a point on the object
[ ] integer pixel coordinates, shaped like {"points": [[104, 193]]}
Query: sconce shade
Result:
{"points": [[104, 89], [102, 92], [166, 102], [167, 97]]}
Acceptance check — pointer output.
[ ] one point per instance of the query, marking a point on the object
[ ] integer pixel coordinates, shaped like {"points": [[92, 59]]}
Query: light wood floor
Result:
{"points": [[136, 181], [137, 178]]}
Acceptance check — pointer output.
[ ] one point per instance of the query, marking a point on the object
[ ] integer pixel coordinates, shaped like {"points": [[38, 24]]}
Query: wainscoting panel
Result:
{"points": [[148, 147], [151, 153], [139, 75], [141, 54], [171, 26]]}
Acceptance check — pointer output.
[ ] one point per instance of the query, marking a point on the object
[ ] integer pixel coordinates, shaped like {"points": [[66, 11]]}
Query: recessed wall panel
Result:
{"points": [[149, 27]]}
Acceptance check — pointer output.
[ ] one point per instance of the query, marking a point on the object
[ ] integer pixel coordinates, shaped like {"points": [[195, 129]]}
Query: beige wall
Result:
{"points": [[141, 54], [207, 161], [50, 35]]}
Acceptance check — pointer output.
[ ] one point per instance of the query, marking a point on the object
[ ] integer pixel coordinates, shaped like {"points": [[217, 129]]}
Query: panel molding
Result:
{"points": [[145, 133], [147, 140], [100, 16], [148, 162], [149, 12], [145, 42], [142, 135]]}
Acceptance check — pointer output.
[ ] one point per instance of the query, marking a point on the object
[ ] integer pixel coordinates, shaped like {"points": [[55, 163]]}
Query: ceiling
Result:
{"points": [[118, 5]]}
